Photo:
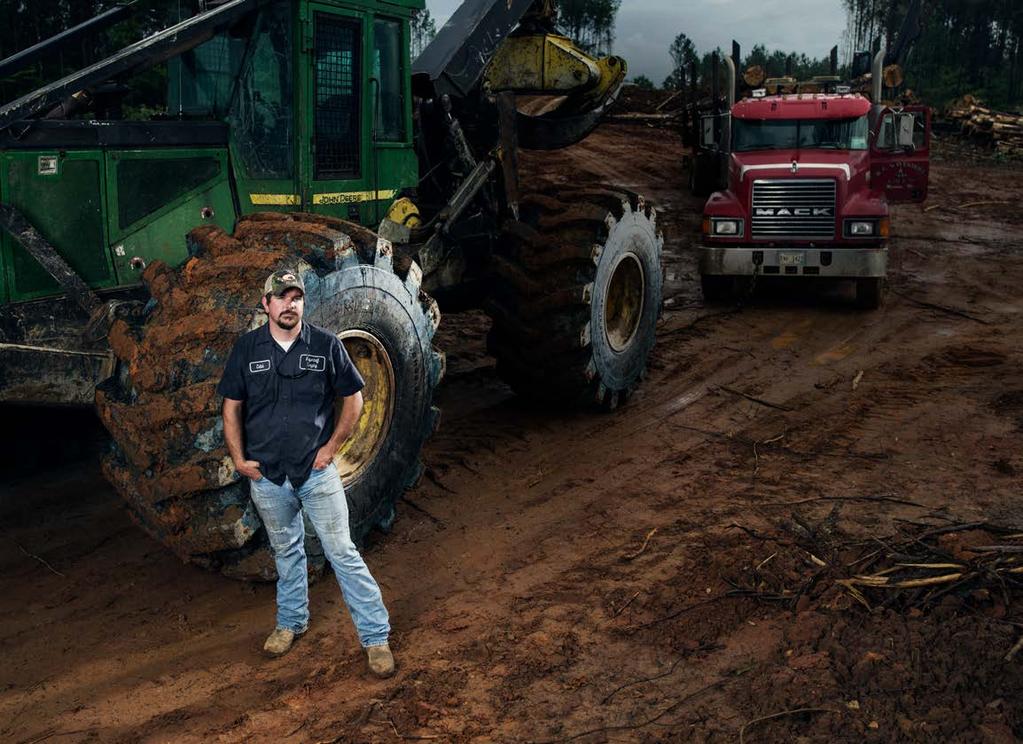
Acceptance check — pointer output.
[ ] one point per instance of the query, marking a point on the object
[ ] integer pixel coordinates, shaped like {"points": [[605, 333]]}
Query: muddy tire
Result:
{"points": [[168, 459], [870, 293], [578, 295]]}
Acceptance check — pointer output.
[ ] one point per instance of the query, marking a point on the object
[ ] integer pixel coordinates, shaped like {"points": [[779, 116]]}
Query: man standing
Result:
{"points": [[280, 386]]}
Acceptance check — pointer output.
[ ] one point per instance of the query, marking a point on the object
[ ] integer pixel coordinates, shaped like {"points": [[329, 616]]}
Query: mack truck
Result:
{"points": [[804, 183], [300, 134]]}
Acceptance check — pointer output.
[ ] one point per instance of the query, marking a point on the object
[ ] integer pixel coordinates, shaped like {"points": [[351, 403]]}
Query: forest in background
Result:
{"points": [[966, 46]]}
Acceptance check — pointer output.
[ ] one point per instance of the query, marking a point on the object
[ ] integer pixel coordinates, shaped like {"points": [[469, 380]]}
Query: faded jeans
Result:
{"points": [[322, 498]]}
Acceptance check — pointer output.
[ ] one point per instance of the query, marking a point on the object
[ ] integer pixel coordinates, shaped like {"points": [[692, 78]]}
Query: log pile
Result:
{"points": [[1001, 129]]}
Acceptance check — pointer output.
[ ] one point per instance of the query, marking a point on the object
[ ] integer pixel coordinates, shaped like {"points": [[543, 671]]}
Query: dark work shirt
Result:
{"points": [[289, 397]]}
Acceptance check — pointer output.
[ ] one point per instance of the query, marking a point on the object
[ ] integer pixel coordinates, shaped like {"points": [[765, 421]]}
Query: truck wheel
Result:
{"points": [[577, 298], [168, 459], [716, 288], [870, 292]]}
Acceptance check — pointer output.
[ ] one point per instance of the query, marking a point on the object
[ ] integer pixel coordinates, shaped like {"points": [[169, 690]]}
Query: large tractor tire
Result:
{"points": [[577, 298], [169, 461]]}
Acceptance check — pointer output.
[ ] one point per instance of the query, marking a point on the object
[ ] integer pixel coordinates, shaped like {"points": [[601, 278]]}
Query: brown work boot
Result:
{"points": [[380, 659], [280, 641]]}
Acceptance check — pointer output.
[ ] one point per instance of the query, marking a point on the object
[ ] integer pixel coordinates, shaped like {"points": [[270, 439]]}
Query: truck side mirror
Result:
{"points": [[904, 124]]}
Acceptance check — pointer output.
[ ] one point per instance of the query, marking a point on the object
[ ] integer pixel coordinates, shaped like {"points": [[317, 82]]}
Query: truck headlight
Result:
{"points": [[725, 227], [861, 228]]}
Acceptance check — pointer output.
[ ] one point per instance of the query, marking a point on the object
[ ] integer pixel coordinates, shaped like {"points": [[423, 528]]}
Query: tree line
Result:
{"points": [[685, 60], [965, 46]]}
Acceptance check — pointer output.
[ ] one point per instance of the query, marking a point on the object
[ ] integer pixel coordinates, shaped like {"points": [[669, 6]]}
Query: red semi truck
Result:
{"points": [[808, 179]]}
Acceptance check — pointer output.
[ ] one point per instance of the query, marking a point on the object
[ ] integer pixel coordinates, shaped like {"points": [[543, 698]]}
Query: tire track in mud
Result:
{"points": [[518, 615]]}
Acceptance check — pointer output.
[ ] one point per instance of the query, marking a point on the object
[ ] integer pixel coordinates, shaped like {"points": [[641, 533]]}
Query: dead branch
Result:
{"points": [[37, 558], [653, 719], [979, 204], [673, 615], [941, 308], [662, 675], [1015, 649], [794, 711], [410, 737], [846, 498], [621, 609], [754, 399], [663, 103], [638, 553]]}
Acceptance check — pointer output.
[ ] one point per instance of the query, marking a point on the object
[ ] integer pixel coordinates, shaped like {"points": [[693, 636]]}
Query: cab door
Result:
{"points": [[901, 172], [337, 167]]}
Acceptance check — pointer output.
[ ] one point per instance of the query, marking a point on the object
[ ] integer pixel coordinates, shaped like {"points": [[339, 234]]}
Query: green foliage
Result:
{"points": [[683, 54], [32, 21], [423, 29], [589, 23], [776, 63], [642, 81], [966, 46]]}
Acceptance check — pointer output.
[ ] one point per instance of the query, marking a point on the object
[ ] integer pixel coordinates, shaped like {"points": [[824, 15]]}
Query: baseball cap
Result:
{"points": [[281, 281]]}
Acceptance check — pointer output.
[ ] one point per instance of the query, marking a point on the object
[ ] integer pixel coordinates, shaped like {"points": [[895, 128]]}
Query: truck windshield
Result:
{"points": [[794, 134]]}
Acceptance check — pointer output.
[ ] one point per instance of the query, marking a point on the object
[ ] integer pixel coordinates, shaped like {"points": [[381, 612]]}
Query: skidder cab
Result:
{"points": [[807, 184]]}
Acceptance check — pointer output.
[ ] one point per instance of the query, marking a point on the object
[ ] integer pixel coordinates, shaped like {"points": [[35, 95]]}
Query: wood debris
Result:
{"points": [[1001, 129]]}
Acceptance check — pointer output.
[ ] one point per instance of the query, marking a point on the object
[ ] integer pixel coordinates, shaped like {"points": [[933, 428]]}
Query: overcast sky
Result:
{"points": [[646, 28]]}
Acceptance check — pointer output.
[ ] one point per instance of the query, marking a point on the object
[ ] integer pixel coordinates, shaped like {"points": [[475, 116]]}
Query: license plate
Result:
{"points": [[792, 259]]}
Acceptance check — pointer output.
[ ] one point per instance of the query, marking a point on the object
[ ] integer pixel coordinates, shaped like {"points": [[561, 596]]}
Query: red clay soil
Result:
{"points": [[667, 572]]}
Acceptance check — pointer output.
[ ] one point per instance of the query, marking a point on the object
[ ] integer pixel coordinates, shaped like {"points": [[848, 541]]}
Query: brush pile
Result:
{"points": [[978, 563]]}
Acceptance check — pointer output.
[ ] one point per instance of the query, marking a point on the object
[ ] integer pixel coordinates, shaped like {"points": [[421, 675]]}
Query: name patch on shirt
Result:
{"points": [[312, 363], [260, 366]]}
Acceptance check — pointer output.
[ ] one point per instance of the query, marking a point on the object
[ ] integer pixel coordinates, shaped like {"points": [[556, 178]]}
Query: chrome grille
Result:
{"points": [[806, 206]]}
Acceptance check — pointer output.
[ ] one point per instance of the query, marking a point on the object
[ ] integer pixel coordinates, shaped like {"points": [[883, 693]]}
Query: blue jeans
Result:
{"points": [[322, 498]]}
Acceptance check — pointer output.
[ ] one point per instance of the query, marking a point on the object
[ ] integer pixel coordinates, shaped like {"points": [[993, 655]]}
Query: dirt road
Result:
{"points": [[666, 572]]}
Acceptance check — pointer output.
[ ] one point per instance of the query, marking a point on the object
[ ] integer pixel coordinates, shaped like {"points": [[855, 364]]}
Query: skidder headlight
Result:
{"points": [[726, 227]]}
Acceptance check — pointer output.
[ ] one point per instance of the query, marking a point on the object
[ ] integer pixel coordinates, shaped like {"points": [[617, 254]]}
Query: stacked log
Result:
{"points": [[1001, 129]]}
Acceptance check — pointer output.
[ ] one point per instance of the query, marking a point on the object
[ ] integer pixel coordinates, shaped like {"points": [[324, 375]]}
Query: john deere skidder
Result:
{"points": [[295, 134]]}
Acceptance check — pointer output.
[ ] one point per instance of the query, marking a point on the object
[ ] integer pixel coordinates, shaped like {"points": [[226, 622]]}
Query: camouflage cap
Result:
{"points": [[281, 281]]}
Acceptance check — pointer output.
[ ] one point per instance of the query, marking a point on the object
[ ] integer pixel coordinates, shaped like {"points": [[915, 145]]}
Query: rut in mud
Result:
{"points": [[652, 574]]}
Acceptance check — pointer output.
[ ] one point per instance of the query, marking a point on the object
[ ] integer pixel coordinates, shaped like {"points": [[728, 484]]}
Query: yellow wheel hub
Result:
{"points": [[624, 307], [371, 359]]}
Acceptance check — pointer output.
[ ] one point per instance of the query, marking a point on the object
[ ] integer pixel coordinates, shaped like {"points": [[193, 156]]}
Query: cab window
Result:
{"points": [[388, 58]]}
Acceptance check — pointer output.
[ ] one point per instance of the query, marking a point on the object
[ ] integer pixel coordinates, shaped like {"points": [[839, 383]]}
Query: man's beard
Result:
{"points": [[289, 322]]}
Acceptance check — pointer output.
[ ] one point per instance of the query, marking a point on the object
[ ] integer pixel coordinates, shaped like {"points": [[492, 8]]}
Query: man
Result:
{"points": [[280, 386]]}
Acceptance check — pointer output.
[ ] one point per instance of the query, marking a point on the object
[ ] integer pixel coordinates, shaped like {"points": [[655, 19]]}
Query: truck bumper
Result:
{"points": [[836, 262]]}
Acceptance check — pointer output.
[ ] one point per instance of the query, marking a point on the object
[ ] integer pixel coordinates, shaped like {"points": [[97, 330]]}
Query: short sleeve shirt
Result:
{"points": [[289, 397]]}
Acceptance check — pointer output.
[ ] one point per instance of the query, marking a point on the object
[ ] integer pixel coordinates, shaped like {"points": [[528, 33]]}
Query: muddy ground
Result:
{"points": [[665, 572]]}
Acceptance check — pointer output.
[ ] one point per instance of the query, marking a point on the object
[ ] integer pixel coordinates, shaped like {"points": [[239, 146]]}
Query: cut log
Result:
{"points": [[754, 76]]}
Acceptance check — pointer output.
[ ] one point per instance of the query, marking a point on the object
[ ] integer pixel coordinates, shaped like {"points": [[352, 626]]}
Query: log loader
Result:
{"points": [[299, 133]]}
